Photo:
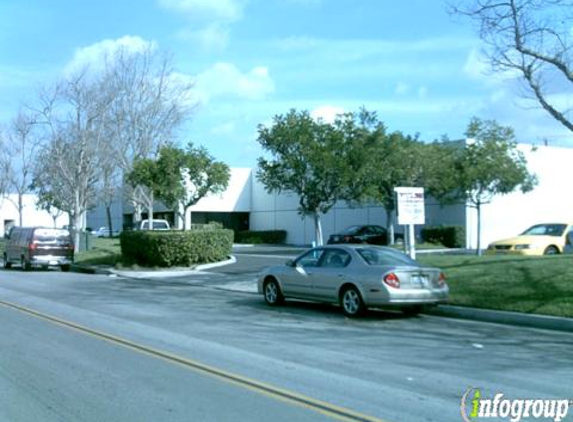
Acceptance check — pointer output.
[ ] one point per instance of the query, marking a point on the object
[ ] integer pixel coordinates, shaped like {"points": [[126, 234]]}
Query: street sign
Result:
{"points": [[410, 205]]}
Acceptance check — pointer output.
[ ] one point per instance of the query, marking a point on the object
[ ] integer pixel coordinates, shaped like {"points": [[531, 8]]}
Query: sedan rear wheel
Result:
{"points": [[25, 264], [551, 250], [272, 292], [7, 264], [351, 302]]}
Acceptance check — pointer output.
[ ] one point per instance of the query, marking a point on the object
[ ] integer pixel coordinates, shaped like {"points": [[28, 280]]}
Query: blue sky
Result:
{"points": [[416, 66]]}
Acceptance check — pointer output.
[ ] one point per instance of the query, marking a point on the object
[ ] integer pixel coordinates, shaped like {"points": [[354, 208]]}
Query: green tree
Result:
{"points": [[488, 164], [187, 176], [393, 160], [318, 161], [146, 175]]}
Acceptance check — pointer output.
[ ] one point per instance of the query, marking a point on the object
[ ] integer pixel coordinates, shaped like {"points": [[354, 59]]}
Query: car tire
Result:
{"points": [[65, 268], [7, 264], [25, 264], [551, 250], [272, 293], [351, 302]]}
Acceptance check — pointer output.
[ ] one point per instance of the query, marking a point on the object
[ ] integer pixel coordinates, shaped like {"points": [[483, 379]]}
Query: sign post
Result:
{"points": [[410, 212]]}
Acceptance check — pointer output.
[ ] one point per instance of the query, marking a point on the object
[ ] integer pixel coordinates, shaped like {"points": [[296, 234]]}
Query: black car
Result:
{"points": [[372, 234]]}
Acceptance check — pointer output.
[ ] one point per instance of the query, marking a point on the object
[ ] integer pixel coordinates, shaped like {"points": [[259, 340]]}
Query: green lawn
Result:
{"points": [[103, 251], [541, 285]]}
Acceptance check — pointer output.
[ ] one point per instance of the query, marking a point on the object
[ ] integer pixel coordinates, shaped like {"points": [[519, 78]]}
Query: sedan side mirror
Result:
{"points": [[290, 263]]}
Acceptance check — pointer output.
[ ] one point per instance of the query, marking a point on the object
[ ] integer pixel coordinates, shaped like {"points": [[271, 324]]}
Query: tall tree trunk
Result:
{"points": [[136, 212], [20, 210], [150, 211], [108, 215], [184, 218], [318, 229], [478, 209], [76, 222]]}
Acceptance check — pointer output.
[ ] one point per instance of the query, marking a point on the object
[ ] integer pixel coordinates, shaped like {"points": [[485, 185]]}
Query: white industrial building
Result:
{"points": [[31, 215], [246, 205], [255, 209]]}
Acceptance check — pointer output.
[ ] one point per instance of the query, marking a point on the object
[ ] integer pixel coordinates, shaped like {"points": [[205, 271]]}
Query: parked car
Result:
{"points": [[371, 234], [540, 239], [39, 247], [356, 277], [104, 232], [157, 225]]}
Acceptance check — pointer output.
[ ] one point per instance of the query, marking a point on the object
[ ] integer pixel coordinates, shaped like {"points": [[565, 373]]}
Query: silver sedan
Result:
{"points": [[356, 277]]}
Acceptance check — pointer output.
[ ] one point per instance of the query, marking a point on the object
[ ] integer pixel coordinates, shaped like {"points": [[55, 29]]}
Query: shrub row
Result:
{"points": [[176, 248], [449, 236], [265, 236]]}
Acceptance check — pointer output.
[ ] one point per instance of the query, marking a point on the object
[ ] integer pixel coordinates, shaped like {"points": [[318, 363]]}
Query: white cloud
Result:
{"points": [[475, 66], [208, 21], [225, 79], [326, 113], [95, 55], [211, 37], [478, 68], [206, 10]]}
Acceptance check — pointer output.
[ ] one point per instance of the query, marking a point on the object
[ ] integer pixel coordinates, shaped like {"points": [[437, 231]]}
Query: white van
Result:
{"points": [[157, 225]]}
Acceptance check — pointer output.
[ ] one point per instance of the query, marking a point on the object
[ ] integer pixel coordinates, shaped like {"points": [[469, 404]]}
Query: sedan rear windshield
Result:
{"points": [[386, 256]]}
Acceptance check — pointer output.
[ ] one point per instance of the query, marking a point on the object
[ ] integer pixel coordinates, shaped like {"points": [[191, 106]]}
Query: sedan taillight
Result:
{"points": [[392, 280], [442, 280]]}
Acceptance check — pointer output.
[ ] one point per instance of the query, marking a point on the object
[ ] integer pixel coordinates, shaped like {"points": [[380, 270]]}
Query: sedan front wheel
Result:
{"points": [[272, 292]]}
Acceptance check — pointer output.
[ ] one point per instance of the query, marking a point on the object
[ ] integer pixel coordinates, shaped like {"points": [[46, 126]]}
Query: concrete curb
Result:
{"points": [[85, 269], [544, 322], [204, 267]]}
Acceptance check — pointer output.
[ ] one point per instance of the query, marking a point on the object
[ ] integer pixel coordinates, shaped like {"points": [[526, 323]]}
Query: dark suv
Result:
{"points": [[39, 247]]}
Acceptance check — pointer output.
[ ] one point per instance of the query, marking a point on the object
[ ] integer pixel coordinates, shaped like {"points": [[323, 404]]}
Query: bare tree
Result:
{"points": [[150, 104], [69, 167], [532, 38], [18, 152]]}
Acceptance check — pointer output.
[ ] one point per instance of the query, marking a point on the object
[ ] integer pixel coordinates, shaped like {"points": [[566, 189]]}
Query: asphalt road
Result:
{"points": [[91, 347]]}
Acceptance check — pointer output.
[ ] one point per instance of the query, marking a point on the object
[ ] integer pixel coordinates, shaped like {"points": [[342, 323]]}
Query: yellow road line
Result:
{"points": [[269, 390]]}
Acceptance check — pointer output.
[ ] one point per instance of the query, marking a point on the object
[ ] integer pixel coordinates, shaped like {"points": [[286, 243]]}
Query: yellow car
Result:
{"points": [[541, 239]]}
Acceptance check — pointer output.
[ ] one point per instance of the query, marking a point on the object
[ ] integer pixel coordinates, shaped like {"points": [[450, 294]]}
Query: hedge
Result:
{"points": [[263, 236], [157, 248], [449, 236]]}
